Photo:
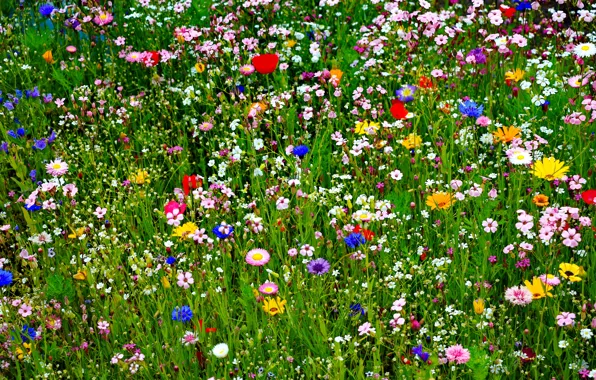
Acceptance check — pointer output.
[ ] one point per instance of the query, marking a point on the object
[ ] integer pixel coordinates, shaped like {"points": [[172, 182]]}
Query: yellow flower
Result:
{"points": [[507, 134], [412, 141], [291, 43], [478, 306], [20, 353], [550, 169], [571, 272], [274, 306], [538, 288], [540, 200], [515, 75], [141, 177], [77, 233], [200, 67], [81, 275], [440, 200], [362, 127], [184, 230], [165, 282], [48, 57]]}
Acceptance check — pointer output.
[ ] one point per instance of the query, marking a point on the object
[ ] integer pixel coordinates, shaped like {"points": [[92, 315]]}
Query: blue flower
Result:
{"points": [[4, 147], [5, 277], [406, 93], [223, 231], [33, 207], [21, 132], [419, 351], [39, 144], [46, 10], [9, 106], [300, 151], [12, 134], [170, 260], [354, 240], [33, 175], [469, 108], [522, 5], [357, 309], [182, 314], [28, 333], [52, 137]]}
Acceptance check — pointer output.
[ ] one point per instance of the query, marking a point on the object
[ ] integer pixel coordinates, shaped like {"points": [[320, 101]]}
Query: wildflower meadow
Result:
{"points": [[297, 189]]}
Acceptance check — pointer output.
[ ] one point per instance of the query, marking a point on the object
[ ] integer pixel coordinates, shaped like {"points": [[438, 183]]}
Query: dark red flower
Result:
{"points": [[530, 355], [589, 196], [265, 63], [191, 182], [398, 110], [151, 58]]}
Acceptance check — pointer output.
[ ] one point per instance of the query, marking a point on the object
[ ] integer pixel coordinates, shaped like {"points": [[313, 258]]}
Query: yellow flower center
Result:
{"points": [[520, 156], [268, 289], [103, 16], [56, 166], [257, 256], [585, 47]]}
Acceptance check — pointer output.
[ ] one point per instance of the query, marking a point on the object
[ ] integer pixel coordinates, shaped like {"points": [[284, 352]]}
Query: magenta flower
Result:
{"points": [[457, 354]]}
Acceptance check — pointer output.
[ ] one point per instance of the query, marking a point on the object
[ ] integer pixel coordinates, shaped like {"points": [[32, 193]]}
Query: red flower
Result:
{"points": [[530, 355], [190, 182], [265, 63], [398, 110], [368, 234], [151, 58], [425, 82], [210, 330], [508, 12], [589, 196]]}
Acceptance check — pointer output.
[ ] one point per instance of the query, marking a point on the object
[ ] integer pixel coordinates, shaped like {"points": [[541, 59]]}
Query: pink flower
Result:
{"points": [[490, 225], [483, 121], [174, 211], [457, 354], [518, 295], [25, 310], [100, 212], [268, 288], [366, 329], [185, 280], [565, 319], [572, 238], [103, 18], [257, 257]]}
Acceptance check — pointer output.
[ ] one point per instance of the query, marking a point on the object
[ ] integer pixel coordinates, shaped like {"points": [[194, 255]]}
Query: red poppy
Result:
{"points": [[190, 182], [151, 58], [589, 196], [368, 234], [530, 355], [398, 110], [508, 12], [425, 82], [265, 63], [210, 330]]}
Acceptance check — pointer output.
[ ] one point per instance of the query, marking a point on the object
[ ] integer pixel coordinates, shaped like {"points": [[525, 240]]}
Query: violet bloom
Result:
{"points": [[318, 267]]}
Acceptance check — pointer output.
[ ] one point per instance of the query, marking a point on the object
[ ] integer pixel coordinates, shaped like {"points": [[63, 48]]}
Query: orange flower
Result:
{"points": [[540, 200], [440, 200], [507, 134], [425, 82], [48, 57]]}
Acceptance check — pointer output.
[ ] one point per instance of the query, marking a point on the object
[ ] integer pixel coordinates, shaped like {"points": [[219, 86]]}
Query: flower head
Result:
{"points": [[366, 127], [182, 314], [274, 306], [406, 93], [318, 267], [257, 257], [440, 200], [184, 231], [269, 288], [5, 278], [265, 63], [519, 295], [457, 354], [507, 134], [550, 169], [57, 168], [412, 141], [538, 288], [570, 272], [584, 50], [220, 350], [300, 151], [469, 108]]}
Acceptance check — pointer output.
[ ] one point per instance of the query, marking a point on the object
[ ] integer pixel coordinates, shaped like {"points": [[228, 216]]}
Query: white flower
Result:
{"points": [[221, 350], [563, 344], [519, 156], [584, 50], [586, 333]]}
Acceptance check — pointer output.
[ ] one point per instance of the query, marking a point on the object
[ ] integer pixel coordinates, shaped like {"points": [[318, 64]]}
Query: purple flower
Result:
{"points": [[46, 10], [406, 93], [318, 267]]}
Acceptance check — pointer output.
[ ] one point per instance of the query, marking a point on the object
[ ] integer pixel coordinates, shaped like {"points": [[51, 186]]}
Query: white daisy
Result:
{"points": [[587, 49], [519, 156]]}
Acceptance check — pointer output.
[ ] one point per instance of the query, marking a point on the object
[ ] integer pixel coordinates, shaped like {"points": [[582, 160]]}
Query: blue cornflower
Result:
{"points": [[354, 240], [5, 277], [21, 132], [28, 333], [240, 89], [300, 151], [170, 260], [47, 98], [469, 108], [182, 314], [39, 144], [33, 207], [223, 231], [12, 134], [357, 309], [522, 5], [52, 137], [406, 93], [46, 10], [8, 105], [419, 351], [33, 175], [18, 93], [4, 147]]}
